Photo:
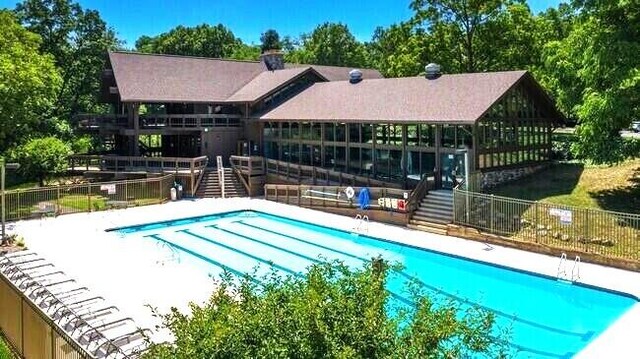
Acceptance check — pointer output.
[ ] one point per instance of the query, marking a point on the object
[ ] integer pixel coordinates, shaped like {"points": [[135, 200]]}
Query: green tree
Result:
{"points": [[398, 51], [329, 44], [202, 40], [29, 82], [330, 312], [41, 158], [270, 40], [246, 52], [458, 24], [595, 75], [78, 40]]}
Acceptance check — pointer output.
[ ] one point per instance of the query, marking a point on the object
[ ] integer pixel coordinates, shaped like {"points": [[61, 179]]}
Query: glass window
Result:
{"points": [[341, 132], [382, 164], [354, 160], [427, 135], [396, 164], [329, 157], [367, 133], [329, 132], [305, 130], [354, 133], [395, 135], [412, 135], [294, 149], [367, 161], [413, 165], [382, 134], [286, 130], [341, 158], [295, 130], [316, 132], [464, 137], [305, 155], [316, 156], [427, 162], [448, 137]]}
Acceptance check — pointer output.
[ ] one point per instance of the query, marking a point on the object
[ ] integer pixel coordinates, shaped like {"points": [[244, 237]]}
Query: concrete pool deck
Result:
{"points": [[128, 276]]}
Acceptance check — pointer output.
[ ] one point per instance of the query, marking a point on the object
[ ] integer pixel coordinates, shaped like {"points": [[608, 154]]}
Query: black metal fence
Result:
{"points": [[611, 234]]}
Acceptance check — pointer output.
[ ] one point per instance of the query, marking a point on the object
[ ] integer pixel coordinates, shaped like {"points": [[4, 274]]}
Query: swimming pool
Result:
{"points": [[548, 318]]}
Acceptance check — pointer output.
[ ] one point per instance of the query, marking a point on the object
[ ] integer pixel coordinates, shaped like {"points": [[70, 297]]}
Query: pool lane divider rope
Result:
{"points": [[200, 256], [584, 336]]}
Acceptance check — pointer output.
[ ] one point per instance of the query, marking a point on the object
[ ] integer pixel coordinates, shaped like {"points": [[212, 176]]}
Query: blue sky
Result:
{"points": [[249, 18]]}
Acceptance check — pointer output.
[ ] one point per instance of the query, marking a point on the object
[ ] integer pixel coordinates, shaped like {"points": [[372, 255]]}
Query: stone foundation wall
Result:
{"points": [[494, 178]]}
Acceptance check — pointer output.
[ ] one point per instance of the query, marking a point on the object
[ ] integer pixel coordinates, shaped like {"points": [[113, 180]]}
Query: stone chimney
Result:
{"points": [[273, 60]]}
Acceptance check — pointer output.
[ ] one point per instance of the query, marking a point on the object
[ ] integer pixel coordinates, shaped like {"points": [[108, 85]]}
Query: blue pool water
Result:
{"points": [[547, 318]]}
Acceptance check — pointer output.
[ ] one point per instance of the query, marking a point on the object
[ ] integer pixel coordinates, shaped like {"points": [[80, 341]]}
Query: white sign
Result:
{"points": [[110, 188], [565, 215]]}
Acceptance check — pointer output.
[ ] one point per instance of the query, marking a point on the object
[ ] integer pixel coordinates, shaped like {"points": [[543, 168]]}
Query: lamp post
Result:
{"points": [[3, 167]]}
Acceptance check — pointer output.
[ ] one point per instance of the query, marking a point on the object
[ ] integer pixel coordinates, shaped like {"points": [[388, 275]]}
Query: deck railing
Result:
{"points": [[89, 197], [606, 233], [310, 175], [333, 196], [159, 121], [251, 171]]}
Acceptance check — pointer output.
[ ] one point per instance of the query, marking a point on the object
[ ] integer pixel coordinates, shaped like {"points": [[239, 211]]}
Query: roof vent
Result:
{"points": [[433, 71], [355, 76]]}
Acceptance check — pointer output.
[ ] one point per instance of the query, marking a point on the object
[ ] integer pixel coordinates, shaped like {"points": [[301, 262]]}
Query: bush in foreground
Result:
{"points": [[330, 312]]}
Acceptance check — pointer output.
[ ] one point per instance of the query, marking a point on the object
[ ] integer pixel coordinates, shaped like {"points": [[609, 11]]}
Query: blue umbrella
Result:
{"points": [[363, 198]]}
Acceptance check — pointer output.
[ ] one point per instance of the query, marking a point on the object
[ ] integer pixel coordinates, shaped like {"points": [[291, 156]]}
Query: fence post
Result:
{"points": [[535, 220], [89, 198], [491, 210]]}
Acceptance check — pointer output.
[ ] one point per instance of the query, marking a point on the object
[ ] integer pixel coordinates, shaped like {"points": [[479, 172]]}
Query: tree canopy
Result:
{"points": [[202, 40], [41, 158], [29, 83], [270, 40], [330, 312], [329, 44]]}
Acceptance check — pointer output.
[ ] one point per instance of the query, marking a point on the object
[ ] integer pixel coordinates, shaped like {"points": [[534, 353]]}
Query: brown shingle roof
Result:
{"points": [[337, 73], [460, 98], [165, 78], [265, 83]]}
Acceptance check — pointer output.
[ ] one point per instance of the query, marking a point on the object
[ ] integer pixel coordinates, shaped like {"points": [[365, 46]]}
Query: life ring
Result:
{"points": [[349, 192]]}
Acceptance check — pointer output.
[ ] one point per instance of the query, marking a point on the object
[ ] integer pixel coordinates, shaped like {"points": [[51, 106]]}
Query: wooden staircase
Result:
{"points": [[210, 185], [434, 213]]}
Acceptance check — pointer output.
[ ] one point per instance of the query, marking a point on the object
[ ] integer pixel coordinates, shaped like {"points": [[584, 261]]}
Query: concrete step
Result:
{"points": [[428, 228], [444, 206], [434, 219], [435, 211]]}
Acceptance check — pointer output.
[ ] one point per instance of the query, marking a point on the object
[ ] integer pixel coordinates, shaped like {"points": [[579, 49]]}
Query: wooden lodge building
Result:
{"points": [[393, 130]]}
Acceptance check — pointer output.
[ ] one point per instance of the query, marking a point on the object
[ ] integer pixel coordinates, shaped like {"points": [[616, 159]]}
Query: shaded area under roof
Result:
{"points": [[459, 98], [267, 82], [166, 78]]}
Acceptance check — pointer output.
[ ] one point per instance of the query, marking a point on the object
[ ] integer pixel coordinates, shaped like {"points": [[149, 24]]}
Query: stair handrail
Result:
{"points": [[418, 193], [220, 174], [239, 175], [198, 181]]}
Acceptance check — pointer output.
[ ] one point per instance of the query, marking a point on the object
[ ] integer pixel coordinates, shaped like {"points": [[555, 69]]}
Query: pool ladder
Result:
{"points": [[562, 268], [361, 223]]}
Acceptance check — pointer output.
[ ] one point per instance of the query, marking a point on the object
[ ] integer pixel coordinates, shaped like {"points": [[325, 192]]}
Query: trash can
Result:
{"points": [[179, 191], [174, 194]]}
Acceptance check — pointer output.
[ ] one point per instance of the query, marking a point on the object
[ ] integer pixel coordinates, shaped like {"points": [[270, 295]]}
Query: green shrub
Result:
{"points": [[5, 352], [330, 312]]}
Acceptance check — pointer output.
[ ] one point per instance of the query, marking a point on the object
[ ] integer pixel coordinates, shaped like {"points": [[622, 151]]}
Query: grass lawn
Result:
{"points": [[615, 188], [610, 188]]}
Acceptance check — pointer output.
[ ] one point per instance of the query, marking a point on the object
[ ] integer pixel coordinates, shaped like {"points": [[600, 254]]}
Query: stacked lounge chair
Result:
{"points": [[97, 327]]}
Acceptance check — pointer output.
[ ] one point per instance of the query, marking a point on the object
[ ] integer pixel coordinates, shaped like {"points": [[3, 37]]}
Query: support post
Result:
{"points": [[3, 202]]}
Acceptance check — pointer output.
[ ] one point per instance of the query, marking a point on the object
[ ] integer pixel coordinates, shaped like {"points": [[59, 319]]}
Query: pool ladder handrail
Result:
{"points": [[575, 271], [361, 220], [562, 267]]}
